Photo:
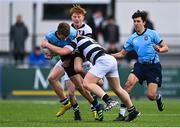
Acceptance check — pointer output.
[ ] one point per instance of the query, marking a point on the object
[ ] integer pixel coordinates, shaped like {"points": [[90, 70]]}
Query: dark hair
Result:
{"points": [[63, 29], [142, 14], [37, 48]]}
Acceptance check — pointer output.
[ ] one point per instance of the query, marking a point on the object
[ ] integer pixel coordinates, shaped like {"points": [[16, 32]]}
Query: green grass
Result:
{"points": [[30, 113]]}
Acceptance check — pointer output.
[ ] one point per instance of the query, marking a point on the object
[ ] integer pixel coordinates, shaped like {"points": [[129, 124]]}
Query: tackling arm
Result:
{"points": [[55, 49]]}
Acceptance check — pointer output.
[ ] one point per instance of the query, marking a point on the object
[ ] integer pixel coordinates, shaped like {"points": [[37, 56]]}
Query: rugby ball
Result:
{"points": [[47, 53]]}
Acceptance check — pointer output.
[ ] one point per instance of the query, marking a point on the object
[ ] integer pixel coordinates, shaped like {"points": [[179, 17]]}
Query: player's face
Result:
{"points": [[77, 19], [139, 24]]}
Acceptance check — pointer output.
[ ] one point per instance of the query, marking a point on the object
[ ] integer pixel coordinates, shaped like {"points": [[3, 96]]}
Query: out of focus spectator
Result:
{"points": [[111, 35], [18, 36], [37, 58], [95, 22]]}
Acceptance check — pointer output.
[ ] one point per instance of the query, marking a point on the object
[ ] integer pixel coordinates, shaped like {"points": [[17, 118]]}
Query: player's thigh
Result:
{"points": [[56, 72], [90, 78], [114, 82]]}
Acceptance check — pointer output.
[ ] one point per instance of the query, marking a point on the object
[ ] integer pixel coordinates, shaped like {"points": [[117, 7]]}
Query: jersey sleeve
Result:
{"points": [[128, 45], [156, 38]]}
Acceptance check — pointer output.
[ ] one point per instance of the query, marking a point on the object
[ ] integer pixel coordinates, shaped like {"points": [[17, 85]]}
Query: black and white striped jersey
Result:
{"points": [[88, 47], [84, 30]]}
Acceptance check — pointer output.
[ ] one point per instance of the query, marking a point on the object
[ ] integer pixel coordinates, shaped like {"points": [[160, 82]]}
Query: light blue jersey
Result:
{"points": [[143, 45], [53, 38]]}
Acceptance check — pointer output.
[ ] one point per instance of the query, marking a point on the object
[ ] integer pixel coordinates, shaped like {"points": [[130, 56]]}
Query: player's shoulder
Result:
{"points": [[73, 33], [86, 26], [50, 34], [152, 32]]}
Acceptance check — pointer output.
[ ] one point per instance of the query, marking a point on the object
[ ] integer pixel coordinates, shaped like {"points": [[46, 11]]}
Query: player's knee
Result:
{"points": [[128, 86], [85, 85], [51, 79], [151, 96]]}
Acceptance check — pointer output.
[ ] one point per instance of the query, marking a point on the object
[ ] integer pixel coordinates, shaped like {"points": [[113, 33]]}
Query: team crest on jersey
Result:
{"points": [[146, 38]]}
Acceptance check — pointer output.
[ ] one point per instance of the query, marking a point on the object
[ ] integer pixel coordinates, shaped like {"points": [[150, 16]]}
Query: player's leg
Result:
{"points": [[71, 95], [53, 79], [153, 95], [82, 68], [55, 74], [154, 80], [125, 98], [129, 85]]}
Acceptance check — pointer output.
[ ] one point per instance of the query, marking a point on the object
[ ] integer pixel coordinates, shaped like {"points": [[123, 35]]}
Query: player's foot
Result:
{"points": [[160, 104], [120, 118], [77, 115], [63, 109], [111, 104], [100, 112], [131, 116], [94, 113]]}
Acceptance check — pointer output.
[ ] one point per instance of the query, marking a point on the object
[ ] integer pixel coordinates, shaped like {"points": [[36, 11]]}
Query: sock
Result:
{"points": [[106, 98], [64, 101], [76, 107], [122, 109], [95, 104], [131, 109], [158, 96], [95, 97], [92, 108]]}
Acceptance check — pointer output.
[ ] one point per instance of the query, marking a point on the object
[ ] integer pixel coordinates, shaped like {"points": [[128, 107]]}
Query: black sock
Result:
{"points": [[106, 98], [123, 105], [75, 107], [64, 101], [131, 109], [95, 104]]}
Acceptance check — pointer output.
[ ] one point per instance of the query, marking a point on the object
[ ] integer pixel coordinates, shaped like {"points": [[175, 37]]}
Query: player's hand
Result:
{"points": [[44, 44], [156, 47]]}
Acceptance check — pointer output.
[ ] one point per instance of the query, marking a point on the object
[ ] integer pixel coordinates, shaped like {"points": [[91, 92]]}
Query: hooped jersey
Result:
{"points": [[84, 30], [88, 47]]}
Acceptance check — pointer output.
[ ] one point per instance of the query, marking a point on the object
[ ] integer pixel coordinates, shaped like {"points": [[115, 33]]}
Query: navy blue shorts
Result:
{"points": [[151, 73]]}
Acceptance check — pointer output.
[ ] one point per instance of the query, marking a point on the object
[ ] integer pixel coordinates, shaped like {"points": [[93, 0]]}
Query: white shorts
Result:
{"points": [[105, 66], [59, 64]]}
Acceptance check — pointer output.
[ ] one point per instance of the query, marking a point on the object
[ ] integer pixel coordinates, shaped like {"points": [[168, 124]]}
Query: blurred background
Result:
{"points": [[19, 78]]}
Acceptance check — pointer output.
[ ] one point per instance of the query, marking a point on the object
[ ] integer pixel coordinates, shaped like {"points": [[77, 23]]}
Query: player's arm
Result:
{"points": [[57, 50], [161, 48], [120, 54], [78, 62]]}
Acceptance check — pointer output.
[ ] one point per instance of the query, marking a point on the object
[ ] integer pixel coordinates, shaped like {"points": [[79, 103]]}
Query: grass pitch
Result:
{"points": [[31, 113]]}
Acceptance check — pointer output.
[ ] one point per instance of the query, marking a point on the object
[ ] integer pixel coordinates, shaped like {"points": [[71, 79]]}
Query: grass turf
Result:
{"points": [[38, 113]]}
